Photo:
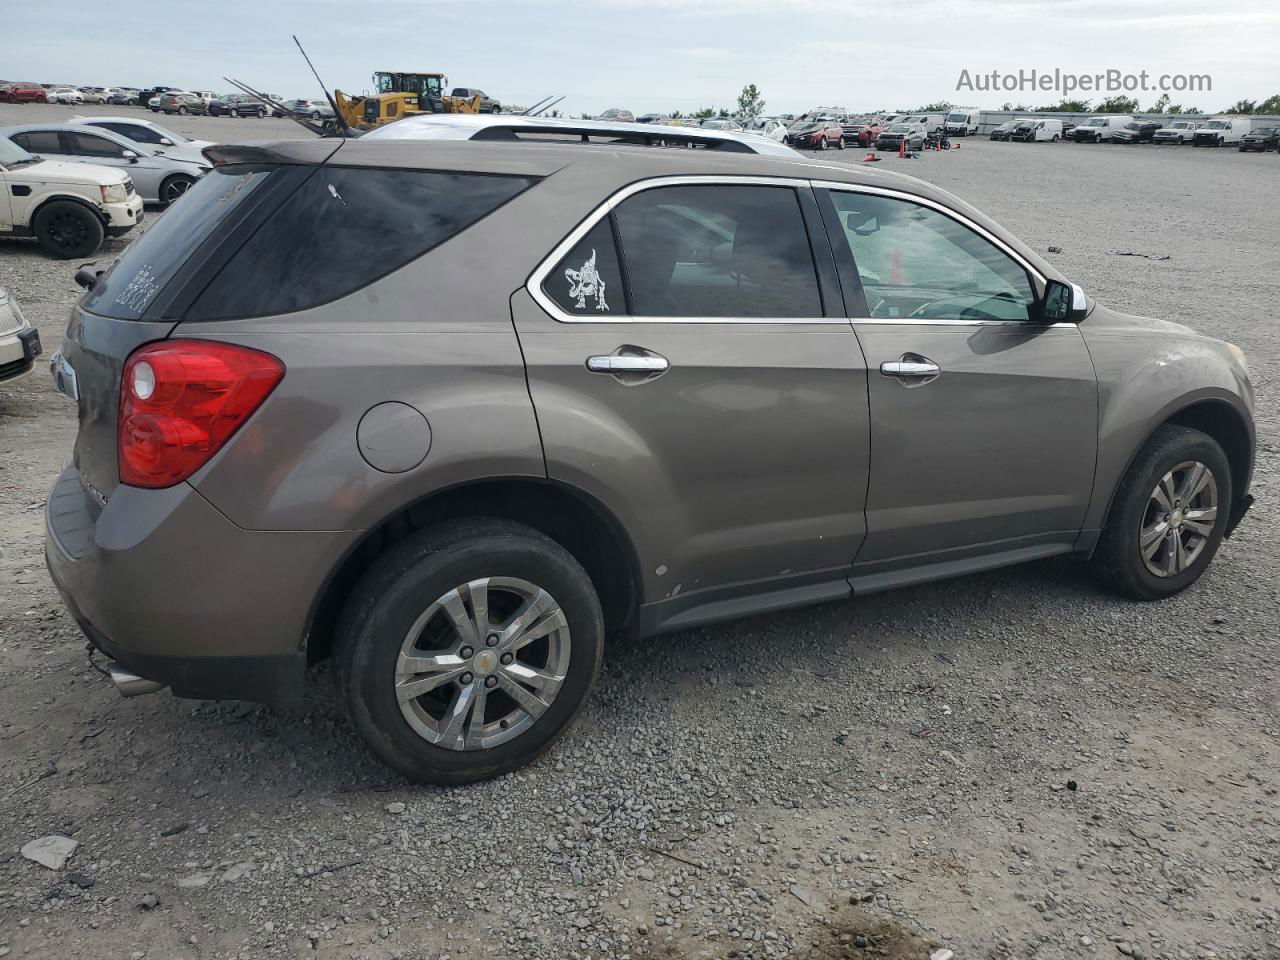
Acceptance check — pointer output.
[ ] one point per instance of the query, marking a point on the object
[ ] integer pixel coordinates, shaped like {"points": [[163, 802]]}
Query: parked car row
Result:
{"points": [[1120, 128]]}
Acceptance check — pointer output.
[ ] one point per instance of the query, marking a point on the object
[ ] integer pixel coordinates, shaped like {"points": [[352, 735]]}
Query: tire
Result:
{"points": [[822, 144], [261, 114], [396, 606], [316, 116], [233, 112], [182, 111], [174, 187], [1057, 137], [840, 144], [68, 230], [1220, 141], [1118, 560]]}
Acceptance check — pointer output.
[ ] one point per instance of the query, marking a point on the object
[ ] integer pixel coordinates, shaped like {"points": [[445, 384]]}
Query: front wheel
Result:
{"points": [[822, 144], [840, 144], [68, 230], [174, 187], [1168, 518], [468, 649], [233, 112]]}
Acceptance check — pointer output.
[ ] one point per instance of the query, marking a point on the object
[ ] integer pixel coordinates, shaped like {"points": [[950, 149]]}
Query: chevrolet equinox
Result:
{"points": [[449, 413]]}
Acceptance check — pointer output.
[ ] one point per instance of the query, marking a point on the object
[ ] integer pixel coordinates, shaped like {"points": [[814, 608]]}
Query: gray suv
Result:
{"points": [[451, 413]]}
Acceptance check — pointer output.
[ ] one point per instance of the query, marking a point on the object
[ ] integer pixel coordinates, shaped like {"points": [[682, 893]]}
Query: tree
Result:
{"points": [[1243, 106], [1009, 107], [1161, 105], [750, 103], [1195, 111], [724, 113], [706, 113], [1270, 106], [942, 106], [675, 115], [1117, 105]]}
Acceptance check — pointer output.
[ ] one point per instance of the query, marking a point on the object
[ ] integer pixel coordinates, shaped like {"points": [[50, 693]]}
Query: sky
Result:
{"points": [[653, 55]]}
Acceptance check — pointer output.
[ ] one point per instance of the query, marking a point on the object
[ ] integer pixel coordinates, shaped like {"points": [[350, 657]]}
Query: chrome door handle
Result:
{"points": [[627, 364], [910, 368]]}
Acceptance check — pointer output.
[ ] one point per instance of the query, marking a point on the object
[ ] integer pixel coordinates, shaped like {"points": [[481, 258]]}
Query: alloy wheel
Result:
{"points": [[482, 663], [1179, 520], [67, 230], [175, 188]]}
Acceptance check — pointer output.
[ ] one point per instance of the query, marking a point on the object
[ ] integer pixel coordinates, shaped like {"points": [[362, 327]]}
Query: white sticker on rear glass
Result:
{"points": [[140, 290]]}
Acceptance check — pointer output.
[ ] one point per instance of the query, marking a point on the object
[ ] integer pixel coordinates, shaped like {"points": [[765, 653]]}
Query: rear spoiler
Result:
{"points": [[306, 152]]}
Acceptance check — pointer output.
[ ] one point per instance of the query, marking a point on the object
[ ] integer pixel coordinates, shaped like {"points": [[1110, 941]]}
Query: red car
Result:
{"points": [[23, 93], [863, 134], [816, 134]]}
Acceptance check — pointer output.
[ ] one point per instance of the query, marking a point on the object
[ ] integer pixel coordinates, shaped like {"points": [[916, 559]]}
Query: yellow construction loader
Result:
{"points": [[399, 94]]}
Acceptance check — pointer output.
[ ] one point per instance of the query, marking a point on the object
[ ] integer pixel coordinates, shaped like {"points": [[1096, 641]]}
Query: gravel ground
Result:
{"points": [[1008, 765]]}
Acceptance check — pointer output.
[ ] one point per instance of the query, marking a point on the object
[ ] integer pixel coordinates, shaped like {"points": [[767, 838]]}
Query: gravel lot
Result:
{"points": [[1008, 765]]}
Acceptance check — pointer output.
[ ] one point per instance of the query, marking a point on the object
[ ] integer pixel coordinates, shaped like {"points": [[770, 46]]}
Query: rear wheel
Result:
{"points": [[1169, 516], [182, 111], [233, 112], [174, 187], [468, 649], [68, 230]]}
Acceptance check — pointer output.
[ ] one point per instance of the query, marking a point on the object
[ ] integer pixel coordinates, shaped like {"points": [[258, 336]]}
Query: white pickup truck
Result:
{"points": [[68, 207]]}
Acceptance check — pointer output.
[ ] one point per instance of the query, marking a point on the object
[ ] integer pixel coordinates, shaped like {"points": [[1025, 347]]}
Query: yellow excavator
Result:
{"points": [[399, 94]]}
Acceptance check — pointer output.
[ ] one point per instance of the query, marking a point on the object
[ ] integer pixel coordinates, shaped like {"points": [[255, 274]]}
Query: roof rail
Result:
{"points": [[563, 132]]}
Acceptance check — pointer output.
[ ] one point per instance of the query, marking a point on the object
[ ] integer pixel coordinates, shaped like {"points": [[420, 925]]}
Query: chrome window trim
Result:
{"points": [[540, 273]]}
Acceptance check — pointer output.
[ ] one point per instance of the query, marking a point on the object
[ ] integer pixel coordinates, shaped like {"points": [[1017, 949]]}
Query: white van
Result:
{"points": [[1031, 131], [1221, 130], [1097, 129], [932, 122], [962, 123]]}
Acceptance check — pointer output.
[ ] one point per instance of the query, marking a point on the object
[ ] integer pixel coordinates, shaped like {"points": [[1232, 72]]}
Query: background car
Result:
{"points": [[892, 137], [23, 93], [618, 115], [236, 105], [177, 101], [157, 178], [150, 97], [94, 94], [487, 103], [67, 95], [816, 134], [311, 109], [1140, 131], [19, 341], [123, 96], [1176, 132], [861, 132], [721, 123], [68, 207], [653, 118], [1261, 139], [151, 134], [769, 127]]}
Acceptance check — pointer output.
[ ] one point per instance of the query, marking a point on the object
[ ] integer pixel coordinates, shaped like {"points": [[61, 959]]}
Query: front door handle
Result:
{"points": [[911, 369]]}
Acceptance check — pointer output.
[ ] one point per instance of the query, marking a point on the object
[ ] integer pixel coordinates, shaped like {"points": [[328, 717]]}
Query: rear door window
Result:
{"points": [[588, 281], [344, 228], [39, 141], [720, 250], [88, 145]]}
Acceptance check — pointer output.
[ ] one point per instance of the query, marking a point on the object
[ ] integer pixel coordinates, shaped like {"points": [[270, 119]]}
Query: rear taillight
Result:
{"points": [[181, 400]]}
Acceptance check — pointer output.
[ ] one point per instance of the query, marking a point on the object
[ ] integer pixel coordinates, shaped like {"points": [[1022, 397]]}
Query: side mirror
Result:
{"points": [[130, 156], [166, 141], [1064, 303]]}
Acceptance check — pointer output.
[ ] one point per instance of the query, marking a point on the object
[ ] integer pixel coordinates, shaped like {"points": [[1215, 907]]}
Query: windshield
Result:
{"points": [[1096, 122], [11, 153], [165, 132], [957, 116], [1180, 126], [1266, 131], [900, 128], [804, 126], [1216, 125]]}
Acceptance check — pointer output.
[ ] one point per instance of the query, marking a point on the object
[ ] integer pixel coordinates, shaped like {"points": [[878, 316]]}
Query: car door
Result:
{"points": [[694, 371], [983, 418]]}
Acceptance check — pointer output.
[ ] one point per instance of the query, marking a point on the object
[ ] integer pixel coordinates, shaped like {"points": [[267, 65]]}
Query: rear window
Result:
{"points": [[343, 229], [151, 261]]}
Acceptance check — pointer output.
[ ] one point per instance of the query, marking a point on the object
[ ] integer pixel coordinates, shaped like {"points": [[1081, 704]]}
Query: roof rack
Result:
{"points": [[642, 138]]}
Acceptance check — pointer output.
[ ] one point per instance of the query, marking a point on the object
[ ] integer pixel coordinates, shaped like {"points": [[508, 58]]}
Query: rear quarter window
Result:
{"points": [[344, 228]]}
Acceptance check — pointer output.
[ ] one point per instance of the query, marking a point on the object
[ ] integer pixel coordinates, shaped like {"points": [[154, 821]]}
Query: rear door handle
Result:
{"points": [[628, 364], [910, 368]]}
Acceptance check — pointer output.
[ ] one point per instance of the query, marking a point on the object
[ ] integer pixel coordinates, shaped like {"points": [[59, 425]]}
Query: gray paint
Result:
{"points": [[393, 437]]}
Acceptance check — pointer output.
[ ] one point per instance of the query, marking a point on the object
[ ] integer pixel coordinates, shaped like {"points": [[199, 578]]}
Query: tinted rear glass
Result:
{"points": [[344, 228], [151, 260]]}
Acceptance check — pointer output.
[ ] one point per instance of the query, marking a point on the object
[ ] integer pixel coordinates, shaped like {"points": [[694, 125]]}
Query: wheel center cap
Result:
{"points": [[1176, 519], [485, 662]]}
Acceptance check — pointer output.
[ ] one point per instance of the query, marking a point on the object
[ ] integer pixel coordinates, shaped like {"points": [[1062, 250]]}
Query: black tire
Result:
{"points": [[822, 144], [400, 587], [1118, 561], [840, 144], [315, 115], [68, 230], [182, 110], [174, 187], [233, 112], [261, 113]]}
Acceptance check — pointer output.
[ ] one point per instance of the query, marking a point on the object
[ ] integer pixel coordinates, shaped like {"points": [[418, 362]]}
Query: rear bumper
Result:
{"points": [[163, 583]]}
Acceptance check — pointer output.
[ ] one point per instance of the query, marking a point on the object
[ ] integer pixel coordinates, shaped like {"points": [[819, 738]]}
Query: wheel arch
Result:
{"points": [[570, 516], [1221, 420], [68, 197]]}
